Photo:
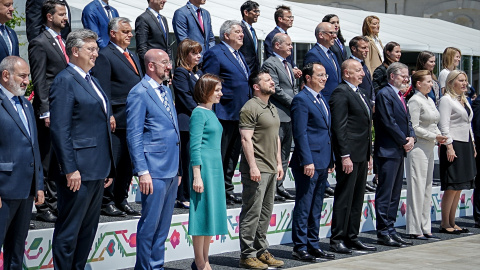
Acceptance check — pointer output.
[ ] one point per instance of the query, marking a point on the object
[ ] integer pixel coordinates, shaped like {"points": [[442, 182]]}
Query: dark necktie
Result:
{"points": [[367, 74], [109, 12], [402, 99], [200, 21], [330, 56], [20, 112], [239, 59], [160, 21], [6, 38], [163, 94], [322, 105], [363, 100], [288, 71], [254, 36]]}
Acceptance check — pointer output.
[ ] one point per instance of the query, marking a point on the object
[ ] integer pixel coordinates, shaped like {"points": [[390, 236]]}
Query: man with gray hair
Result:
{"points": [[285, 89], [80, 128], [394, 137], [228, 63], [118, 70]]}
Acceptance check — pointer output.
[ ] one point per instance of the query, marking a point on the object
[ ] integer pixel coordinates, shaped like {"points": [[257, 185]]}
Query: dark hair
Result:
{"points": [[308, 70], [184, 49], [205, 86], [389, 48], [339, 33], [50, 7], [354, 41], [279, 12], [422, 59], [255, 77], [248, 6]]}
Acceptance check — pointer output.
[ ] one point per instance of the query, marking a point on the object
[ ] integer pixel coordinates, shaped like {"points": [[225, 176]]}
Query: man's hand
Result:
{"points": [[108, 182], [0, 202], [113, 123], [280, 172], [347, 165], [255, 174], [309, 170], [179, 180], [198, 184], [47, 121], [370, 163], [409, 145], [146, 185], [74, 180], [331, 170], [40, 199], [297, 73]]}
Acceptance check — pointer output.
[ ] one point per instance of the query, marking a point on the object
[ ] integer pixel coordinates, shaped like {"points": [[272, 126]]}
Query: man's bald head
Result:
{"points": [[157, 65]]}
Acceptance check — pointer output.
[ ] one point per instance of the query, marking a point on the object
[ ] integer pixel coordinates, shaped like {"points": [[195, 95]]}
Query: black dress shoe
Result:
{"points": [[129, 210], [417, 237], [431, 236], [286, 195], [340, 248], [400, 240], [302, 255], [234, 198], [369, 187], [329, 191], [279, 198], [32, 226], [443, 230], [359, 245], [112, 211], [318, 253], [47, 216], [386, 240]]}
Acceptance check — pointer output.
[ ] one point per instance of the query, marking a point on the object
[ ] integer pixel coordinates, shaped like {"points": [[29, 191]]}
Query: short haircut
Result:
{"points": [[389, 48], [205, 86], [345, 65], [113, 23], [78, 37], [279, 12], [248, 6], [449, 56], [319, 28], [308, 70], [394, 68], [278, 38], [422, 60], [449, 84], [8, 63], [226, 28], [184, 49], [255, 77], [50, 7], [419, 76], [354, 41], [366, 30]]}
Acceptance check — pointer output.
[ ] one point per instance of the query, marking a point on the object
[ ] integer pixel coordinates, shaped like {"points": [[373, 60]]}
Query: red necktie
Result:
{"points": [[127, 55], [200, 21], [63, 48], [402, 99]]}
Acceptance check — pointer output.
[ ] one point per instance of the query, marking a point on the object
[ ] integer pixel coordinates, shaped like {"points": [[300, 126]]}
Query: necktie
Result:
{"points": [[127, 55], [88, 78], [60, 41], [363, 100], [200, 21], [368, 77], [402, 99], [239, 59], [6, 38], [163, 26], [109, 12], [339, 44], [18, 105], [254, 36], [324, 108], [330, 56], [163, 94], [288, 71]]}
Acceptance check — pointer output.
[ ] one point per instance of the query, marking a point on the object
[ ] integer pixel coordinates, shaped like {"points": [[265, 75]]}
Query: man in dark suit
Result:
{"points": [[249, 49], [21, 176], [359, 47], [285, 89], [311, 162], [154, 142], [118, 71], [352, 145], [8, 37], [325, 34], [47, 56], [476, 132], [151, 30], [193, 22], [95, 16], [229, 64], [394, 137], [284, 20], [80, 129], [34, 19]]}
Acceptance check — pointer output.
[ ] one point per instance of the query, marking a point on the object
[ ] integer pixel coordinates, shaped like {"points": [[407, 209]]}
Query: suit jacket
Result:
{"points": [[116, 77], [80, 127], [149, 34], [311, 132], [392, 124], [183, 86], [285, 88], [46, 61], [341, 55], [267, 47], [185, 25], [3, 46], [455, 122], [476, 118], [248, 50], [153, 137], [34, 23], [351, 124], [20, 162], [374, 56], [95, 19], [424, 117], [220, 61], [367, 86], [316, 54], [380, 79]]}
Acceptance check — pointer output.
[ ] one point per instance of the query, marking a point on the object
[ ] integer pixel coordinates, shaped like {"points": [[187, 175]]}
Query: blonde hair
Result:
{"points": [[452, 76], [449, 56], [366, 30]]}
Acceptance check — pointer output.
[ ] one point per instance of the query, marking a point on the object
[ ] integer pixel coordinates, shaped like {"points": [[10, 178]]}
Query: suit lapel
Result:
{"points": [[122, 57], [194, 14], [328, 61], [157, 23], [360, 99], [397, 99], [88, 88], [14, 114], [153, 94], [232, 59], [281, 66], [317, 104], [102, 11], [30, 120], [55, 45]]}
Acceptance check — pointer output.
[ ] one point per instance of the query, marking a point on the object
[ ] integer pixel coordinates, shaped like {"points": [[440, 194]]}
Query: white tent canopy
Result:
{"points": [[412, 33]]}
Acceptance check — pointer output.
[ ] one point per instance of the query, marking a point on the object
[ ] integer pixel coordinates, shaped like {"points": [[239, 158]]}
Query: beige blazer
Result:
{"points": [[374, 58], [455, 123], [424, 117]]}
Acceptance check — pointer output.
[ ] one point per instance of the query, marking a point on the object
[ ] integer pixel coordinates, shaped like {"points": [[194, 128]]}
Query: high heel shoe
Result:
{"points": [[443, 230], [194, 266]]}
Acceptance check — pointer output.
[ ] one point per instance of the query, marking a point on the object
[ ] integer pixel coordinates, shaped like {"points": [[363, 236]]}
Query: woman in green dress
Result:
{"points": [[208, 213]]}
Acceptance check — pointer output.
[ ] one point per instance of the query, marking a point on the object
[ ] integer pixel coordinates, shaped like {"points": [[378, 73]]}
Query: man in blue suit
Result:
{"points": [[229, 64], [193, 22], [8, 37], [311, 162], [95, 16], [153, 139], [359, 47], [80, 129], [326, 35], [21, 174], [394, 137], [118, 70]]}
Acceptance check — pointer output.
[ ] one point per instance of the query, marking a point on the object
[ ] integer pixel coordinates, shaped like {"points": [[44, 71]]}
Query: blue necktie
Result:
{"points": [[254, 36], [330, 55], [6, 38], [239, 59], [109, 12], [163, 94], [18, 105], [163, 26]]}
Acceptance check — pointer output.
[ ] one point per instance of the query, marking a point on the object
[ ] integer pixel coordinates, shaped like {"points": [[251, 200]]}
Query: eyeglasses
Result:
{"points": [[331, 33], [164, 63], [289, 17], [256, 11], [403, 76], [323, 75], [91, 49]]}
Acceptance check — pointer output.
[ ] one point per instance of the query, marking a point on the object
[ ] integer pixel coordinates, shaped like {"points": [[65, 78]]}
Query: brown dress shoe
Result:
{"points": [[252, 263], [267, 258]]}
